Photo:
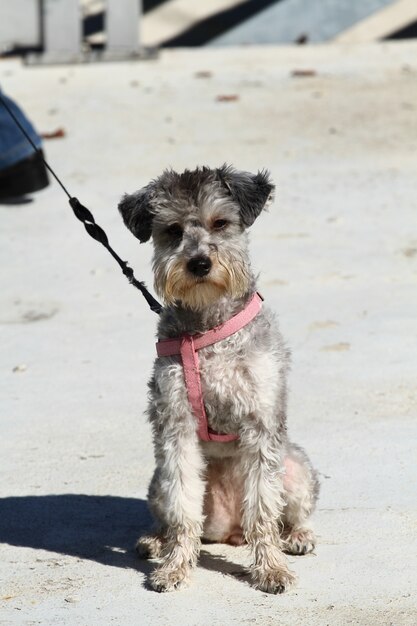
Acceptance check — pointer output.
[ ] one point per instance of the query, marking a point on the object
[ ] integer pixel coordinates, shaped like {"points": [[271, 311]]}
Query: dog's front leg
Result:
{"points": [[262, 508], [181, 491]]}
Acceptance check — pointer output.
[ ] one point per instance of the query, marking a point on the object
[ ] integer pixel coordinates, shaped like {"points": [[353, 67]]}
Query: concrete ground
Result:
{"points": [[337, 256]]}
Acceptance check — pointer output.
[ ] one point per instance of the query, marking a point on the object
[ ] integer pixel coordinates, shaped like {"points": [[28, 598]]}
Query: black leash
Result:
{"points": [[93, 229]]}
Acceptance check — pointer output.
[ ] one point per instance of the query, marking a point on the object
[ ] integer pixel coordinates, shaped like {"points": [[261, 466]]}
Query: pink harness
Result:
{"points": [[188, 345]]}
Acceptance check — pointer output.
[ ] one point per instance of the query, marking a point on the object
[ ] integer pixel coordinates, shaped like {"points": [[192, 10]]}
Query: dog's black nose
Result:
{"points": [[199, 266]]}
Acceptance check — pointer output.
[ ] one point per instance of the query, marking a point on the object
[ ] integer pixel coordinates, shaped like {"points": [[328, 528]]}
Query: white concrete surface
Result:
{"points": [[337, 256], [15, 31]]}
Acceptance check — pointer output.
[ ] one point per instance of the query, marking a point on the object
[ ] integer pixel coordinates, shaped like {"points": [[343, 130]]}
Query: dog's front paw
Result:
{"points": [[168, 579], [273, 580], [301, 541]]}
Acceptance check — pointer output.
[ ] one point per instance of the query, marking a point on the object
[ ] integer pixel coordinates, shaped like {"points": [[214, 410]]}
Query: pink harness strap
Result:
{"points": [[188, 345]]}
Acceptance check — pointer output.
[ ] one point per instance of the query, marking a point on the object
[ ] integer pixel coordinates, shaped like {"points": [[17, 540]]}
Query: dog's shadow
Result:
{"points": [[98, 528]]}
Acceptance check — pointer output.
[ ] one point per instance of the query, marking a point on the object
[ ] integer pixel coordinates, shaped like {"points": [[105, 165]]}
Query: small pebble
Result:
{"points": [[203, 74], [20, 368], [227, 97]]}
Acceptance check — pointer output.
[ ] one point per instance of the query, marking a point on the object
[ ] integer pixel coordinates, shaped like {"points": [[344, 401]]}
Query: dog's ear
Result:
{"points": [[250, 191], [136, 212]]}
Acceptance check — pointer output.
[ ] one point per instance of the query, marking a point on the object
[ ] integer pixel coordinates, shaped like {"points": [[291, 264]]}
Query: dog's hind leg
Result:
{"points": [[301, 488], [150, 546]]}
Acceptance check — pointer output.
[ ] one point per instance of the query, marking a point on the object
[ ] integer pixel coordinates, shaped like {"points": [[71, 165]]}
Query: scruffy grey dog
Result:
{"points": [[261, 488]]}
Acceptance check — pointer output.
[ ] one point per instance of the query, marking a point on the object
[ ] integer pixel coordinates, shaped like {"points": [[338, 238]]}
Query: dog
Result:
{"points": [[226, 471]]}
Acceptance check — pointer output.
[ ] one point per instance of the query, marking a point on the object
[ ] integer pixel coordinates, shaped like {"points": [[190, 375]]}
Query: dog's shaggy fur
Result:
{"points": [[260, 489]]}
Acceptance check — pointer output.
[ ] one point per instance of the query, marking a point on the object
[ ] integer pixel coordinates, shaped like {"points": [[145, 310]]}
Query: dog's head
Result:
{"points": [[198, 221]]}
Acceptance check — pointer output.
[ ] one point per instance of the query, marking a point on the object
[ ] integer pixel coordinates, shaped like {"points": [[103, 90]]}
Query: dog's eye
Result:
{"points": [[175, 231], [219, 224]]}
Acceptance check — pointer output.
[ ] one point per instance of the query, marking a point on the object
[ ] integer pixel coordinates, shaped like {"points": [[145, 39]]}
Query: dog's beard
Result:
{"points": [[227, 277]]}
